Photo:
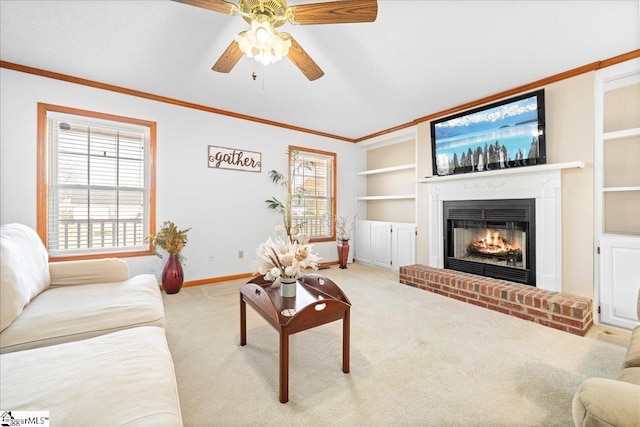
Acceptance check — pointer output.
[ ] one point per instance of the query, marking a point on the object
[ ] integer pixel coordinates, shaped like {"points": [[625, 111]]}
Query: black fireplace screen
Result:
{"points": [[493, 238]]}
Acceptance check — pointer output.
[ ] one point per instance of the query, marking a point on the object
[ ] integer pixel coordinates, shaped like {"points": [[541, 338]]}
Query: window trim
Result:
{"points": [[333, 196], [42, 182]]}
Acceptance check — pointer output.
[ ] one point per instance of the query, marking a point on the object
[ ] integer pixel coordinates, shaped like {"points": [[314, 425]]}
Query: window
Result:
{"points": [[312, 177], [96, 191]]}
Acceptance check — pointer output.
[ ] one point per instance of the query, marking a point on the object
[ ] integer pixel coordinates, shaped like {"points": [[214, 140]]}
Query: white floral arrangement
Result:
{"points": [[286, 257]]}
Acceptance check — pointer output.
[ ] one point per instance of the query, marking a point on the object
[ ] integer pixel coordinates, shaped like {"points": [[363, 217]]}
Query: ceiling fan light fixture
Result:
{"points": [[263, 35], [263, 42], [266, 45]]}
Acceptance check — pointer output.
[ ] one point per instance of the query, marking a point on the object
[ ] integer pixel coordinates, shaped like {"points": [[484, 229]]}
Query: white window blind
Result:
{"points": [[311, 181], [98, 193]]}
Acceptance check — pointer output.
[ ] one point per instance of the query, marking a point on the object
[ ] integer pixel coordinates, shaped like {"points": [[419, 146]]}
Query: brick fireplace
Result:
{"points": [[542, 183], [542, 300], [565, 312]]}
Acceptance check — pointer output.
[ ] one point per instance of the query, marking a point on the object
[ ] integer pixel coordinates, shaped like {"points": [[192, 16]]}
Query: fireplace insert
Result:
{"points": [[493, 238]]}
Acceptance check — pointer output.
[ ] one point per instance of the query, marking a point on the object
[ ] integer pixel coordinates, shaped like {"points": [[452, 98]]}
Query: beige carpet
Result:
{"points": [[416, 359]]}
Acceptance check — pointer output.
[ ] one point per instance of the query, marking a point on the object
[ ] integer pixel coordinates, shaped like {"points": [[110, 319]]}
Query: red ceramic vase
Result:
{"points": [[343, 253], [172, 275]]}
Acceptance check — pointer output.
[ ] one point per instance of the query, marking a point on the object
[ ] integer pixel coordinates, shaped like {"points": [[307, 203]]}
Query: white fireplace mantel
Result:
{"points": [[502, 172], [540, 182]]}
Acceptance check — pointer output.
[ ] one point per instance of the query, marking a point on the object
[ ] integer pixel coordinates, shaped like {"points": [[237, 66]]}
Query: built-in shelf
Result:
{"points": [[615, 211], [389, 169], [618, 189], [609, 136], [392, 197], [385, 181], [505, 172]]}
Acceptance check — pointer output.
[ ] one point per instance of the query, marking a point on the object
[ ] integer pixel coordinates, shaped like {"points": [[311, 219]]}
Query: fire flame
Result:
{"points": [[494, 243]]}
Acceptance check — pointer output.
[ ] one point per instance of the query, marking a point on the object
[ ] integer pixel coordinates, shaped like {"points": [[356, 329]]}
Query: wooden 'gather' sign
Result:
{"points": [[236, 159]]}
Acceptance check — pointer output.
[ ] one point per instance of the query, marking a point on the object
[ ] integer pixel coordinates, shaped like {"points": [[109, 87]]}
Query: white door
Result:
{"points": [[381, 244], [620, 280], [403, 244], [363, 242]]}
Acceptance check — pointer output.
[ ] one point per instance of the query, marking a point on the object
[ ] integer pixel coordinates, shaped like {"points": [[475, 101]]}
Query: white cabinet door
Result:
{"points": [[384, 244], [381, 244], [403, 245], [619, 280], [363, 242]]}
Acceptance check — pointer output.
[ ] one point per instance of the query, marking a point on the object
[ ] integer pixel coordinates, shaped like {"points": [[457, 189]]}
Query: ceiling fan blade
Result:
{"points": [[303, 61], [215, 5], [229, 58], [334, 12]]}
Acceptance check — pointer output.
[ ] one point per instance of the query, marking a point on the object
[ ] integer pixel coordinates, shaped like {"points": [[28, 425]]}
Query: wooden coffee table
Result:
{"points": [[318, 301]]}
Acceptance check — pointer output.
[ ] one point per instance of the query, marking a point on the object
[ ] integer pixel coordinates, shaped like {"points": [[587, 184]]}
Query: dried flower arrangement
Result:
{"points": [[286, 257], [343, 232], [170, 239]]}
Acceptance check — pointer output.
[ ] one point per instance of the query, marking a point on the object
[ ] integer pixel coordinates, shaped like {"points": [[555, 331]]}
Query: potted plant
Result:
{"points": [[172, 240], [293, 194], [287, 258]]}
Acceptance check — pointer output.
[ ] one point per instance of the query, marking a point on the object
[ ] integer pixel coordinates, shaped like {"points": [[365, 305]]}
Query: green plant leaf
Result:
{"points": [[277, 178], [274, 204]]}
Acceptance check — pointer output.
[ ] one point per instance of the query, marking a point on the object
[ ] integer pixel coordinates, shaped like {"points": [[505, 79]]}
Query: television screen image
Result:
{"points": [[505, 134]]}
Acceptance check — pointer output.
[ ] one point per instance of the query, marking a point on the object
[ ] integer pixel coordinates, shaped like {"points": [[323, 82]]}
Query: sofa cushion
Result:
{"points": [[632, 358], [84, 272], [123, 378], [24, 270], [605, 402], [71, 313], [630, 375]]}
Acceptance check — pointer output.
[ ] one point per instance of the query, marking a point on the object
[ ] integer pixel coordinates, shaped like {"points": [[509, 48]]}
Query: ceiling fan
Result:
{"points": [[267, 45]]}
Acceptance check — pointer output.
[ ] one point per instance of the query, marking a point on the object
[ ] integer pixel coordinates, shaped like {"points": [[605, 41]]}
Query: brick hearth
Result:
{"points": [[566, 312]]}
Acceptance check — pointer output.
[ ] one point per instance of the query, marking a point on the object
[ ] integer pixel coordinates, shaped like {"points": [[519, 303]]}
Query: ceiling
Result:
{"points": [[416, 59]]}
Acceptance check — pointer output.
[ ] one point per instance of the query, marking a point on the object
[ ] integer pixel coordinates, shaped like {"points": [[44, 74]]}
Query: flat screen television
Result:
{"points": [[505, 134]]}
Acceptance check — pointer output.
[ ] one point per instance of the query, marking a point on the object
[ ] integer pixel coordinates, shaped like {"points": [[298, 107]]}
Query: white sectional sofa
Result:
{"points": [[82, 339], [85, 299]]}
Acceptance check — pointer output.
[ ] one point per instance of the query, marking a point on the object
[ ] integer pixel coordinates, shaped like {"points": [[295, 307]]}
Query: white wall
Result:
{"points": [[224, 208]]}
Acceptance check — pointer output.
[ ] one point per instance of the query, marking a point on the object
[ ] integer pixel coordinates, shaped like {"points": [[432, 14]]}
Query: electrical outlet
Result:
{"points": [[240, 254], [211, 257]]}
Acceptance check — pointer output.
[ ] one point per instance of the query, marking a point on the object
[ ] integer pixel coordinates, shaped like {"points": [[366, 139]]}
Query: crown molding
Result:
{"points": [[160, 98], [520, 89]]}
